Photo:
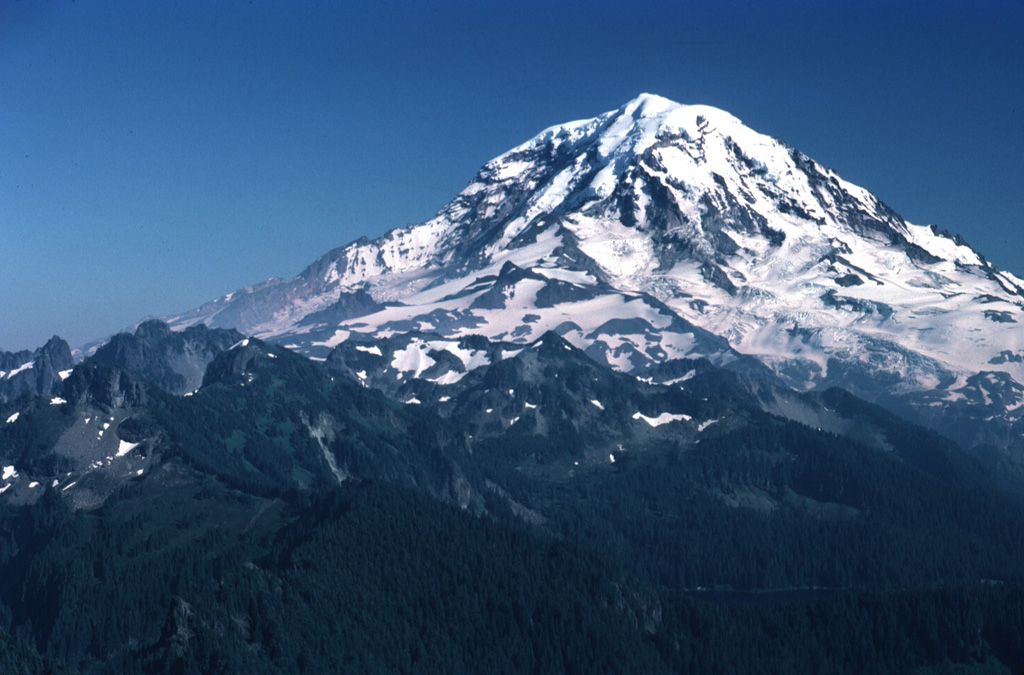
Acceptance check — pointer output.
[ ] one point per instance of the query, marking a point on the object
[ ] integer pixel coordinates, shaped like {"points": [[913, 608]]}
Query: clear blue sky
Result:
{"points": [[154, 155]]}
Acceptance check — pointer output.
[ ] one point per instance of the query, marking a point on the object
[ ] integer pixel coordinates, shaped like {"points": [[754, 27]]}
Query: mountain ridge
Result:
{"points": [[663, 223]]}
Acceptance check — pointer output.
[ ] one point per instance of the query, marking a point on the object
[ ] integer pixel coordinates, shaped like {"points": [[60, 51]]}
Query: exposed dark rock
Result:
{"points": [[172, 360]]}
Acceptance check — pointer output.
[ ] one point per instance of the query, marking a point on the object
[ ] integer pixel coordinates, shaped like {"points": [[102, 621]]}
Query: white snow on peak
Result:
{"points": [[57, 400], [373, 349], [597, 404], [729, 229], [649, 105], [13, 418], [9, 472]]}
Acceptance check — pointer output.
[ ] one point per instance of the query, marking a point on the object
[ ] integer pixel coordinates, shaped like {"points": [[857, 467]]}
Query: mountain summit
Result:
{"points": [[622, 337], [660, 231]]}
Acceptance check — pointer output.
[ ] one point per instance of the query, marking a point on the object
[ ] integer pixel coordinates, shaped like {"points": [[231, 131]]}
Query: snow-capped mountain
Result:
{"points": [[661, 231]]}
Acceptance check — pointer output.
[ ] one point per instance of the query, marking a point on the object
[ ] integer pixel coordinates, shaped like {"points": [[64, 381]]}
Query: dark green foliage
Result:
{"points": [[237, 551], [16, 658], [962, 629], [28, 440], [367, 577], [374, 579], [81, 586], [777, 505]]}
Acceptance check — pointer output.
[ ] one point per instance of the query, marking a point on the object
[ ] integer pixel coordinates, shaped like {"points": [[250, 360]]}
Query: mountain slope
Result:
{"points": [[36, 372], [661, 231], [287, 512], [175, 362]]}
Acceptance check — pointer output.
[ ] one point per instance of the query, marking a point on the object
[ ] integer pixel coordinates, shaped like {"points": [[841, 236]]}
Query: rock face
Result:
{"points": [[661, 231], [104, 386], [39, 372], [174, 361]]}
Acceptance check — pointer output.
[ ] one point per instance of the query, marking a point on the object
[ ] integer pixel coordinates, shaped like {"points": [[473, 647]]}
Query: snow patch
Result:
{"points": [[13, 418], [663, 418], [333, 341], [9, 472], [64, 374], [22, 368], [412, 358], [369, 350], [124, 447], [471, 358], [451, 377], [597, 404], [689, 376], [57, 400]]}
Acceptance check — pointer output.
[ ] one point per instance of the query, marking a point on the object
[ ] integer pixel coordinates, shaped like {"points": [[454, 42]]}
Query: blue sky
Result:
{"points": [[154, 155]]}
